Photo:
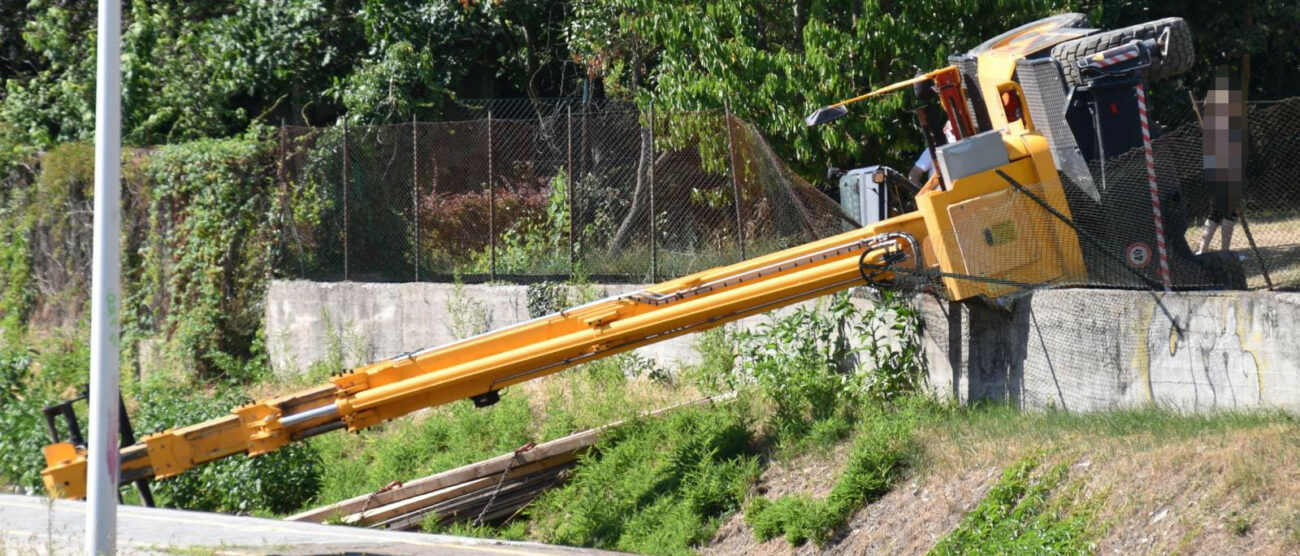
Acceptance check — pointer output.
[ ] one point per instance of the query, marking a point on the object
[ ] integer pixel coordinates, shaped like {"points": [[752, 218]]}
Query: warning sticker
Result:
{"points": [[1138, 254]]}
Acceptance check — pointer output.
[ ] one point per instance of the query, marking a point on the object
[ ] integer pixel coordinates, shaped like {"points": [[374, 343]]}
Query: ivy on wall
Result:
{"points": [[200, 224]]}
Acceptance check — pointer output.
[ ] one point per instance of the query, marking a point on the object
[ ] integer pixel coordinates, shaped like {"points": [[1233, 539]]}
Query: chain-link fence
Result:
{"points": [[531, 190], [1144, 223], [527, 190]]}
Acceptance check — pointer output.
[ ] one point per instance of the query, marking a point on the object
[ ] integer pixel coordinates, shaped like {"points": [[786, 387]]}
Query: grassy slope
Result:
{"points": [[992, 480]]}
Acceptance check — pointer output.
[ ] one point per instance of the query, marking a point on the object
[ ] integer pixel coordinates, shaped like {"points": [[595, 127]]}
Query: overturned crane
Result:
{"points": [[1049, 101]]}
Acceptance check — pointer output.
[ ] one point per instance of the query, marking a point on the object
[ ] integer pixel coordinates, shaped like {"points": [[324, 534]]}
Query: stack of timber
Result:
{"points": [[489, 491]]}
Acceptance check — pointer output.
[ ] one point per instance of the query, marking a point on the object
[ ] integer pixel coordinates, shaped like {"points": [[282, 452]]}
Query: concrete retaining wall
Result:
{"points": [[308, 322], [1096, 349], [356, 323], [1068, 348]]}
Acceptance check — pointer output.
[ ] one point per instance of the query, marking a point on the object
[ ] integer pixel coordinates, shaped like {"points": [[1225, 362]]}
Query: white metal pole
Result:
{"points": [[105, 287]]}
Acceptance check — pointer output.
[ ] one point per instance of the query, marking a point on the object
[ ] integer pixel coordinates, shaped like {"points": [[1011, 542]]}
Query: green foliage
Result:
{"points": [[1019, 516], [659, 486], [400, 81], [537, 239], [585, 397], [890, 334], [594, 394], [30, 379], [469, 316], [513, 531], [408, 448], [776, 63], [810, 365], [16, 295], [801, 362], [212, 214], [546, 297], [713, 374], [882, 449], [209, 69], [279, 482], [21, 422], [47, 211]]}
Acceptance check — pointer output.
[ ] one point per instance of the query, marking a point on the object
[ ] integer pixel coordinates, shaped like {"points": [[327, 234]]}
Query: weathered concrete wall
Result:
{"points": [[1069, 348], [308, 322], [1095, 349]]}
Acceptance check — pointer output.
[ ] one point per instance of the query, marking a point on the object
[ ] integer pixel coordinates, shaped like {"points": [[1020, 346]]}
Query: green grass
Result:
{"points": [[1020, 516], [658, 486], [1145, 426], [459, 434], [882, 450]]}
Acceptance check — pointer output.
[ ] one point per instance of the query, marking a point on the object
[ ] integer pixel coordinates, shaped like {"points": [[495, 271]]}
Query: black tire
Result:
{"points": [[1064, 20], [1226, 269], [1179, 58]]}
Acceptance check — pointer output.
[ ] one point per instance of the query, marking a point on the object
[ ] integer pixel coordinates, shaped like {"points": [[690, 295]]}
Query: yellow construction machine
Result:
{"points": [[997, 220]]}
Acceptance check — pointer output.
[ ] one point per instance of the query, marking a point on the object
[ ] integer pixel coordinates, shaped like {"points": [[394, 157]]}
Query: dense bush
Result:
{"points": [[46, 212], [22, 430], [200, 228], [455, 225], [279, 482], [818, 366]]}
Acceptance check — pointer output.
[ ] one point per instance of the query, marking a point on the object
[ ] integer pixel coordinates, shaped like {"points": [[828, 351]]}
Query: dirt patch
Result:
{"points": [[1234, 493], [914, 516]]}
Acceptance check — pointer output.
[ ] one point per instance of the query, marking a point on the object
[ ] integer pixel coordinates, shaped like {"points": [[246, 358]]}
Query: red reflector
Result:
{"points": [[1114, 110]]}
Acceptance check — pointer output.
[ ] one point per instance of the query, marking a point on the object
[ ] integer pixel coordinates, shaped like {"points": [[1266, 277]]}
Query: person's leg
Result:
{"points": [[1207, 234], [1227, 226]]}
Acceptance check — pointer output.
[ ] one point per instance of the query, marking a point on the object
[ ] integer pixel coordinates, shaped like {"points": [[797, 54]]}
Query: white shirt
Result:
{"points": [[925, 162]]}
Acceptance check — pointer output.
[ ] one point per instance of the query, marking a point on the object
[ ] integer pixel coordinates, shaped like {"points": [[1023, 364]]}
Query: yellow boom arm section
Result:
{"points": [[478, 367]]}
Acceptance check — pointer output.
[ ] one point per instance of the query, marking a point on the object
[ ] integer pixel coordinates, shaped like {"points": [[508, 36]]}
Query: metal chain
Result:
{"points": [[502, 481]]}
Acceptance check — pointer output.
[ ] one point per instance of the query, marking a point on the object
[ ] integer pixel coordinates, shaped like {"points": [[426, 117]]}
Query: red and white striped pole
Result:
{"points": [[1151, 185]]}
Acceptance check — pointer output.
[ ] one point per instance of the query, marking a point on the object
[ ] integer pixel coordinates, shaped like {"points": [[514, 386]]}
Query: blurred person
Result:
{"points": [[1224, 151]]}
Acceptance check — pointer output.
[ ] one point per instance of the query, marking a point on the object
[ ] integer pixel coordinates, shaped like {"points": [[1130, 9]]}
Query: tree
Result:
{"points": [[776, 62]]}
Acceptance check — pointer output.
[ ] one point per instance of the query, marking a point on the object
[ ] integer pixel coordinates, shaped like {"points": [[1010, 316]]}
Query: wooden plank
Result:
{"points": [[414, 503], [452, 477], [513, 495], [486, 468]]}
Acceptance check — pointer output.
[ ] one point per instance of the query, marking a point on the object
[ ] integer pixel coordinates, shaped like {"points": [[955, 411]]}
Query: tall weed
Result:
{"points": [[658, 486], [1019, 516], [882, 448]]}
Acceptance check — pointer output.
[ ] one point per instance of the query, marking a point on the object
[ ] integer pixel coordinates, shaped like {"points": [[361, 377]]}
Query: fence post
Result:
{"points": [[347, 180], [573, 188], [654, 229], [287, 199], [415, 189], [492, 204], [735, 183], [582, 148]]}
